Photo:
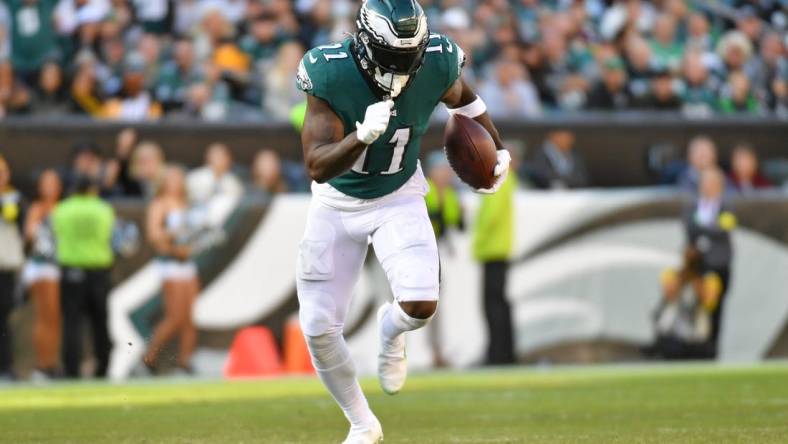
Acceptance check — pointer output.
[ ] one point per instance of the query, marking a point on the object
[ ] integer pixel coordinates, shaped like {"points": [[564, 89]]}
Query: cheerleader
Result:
{"points": [[169, 232], [42, 275]]}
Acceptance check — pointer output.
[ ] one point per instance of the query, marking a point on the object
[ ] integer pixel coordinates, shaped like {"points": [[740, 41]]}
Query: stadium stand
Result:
{"points": [[235, 59]]}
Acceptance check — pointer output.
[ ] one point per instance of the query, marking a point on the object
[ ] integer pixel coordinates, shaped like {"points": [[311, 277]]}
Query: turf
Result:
{"points": [[619, 404]]}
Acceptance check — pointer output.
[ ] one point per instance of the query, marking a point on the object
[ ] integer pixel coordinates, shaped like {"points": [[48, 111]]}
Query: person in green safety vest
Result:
{"points": [[83, 225], [445, 212], [493, 242], [443, 201]]}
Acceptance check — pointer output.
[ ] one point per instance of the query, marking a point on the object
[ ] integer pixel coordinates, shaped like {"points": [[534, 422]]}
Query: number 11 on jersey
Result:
{"points": [[399, 143]]}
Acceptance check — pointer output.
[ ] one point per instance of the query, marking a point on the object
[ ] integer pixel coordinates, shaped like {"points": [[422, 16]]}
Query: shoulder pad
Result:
{"points": [[451, 58], [318, 67]]}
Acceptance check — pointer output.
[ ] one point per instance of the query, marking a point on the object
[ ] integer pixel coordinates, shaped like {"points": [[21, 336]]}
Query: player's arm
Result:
{"points": [[461, 99], [327, 153]]}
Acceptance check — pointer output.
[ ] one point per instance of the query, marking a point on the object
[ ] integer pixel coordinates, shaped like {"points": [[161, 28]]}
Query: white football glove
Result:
{"points": [[376, 120], [500, 171]]}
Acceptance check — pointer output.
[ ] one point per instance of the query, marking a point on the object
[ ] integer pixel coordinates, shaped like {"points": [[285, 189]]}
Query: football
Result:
{"points": [[471, 151]]}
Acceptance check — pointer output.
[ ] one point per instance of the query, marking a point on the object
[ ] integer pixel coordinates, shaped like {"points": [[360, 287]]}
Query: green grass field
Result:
{"points": [[618, 404]]}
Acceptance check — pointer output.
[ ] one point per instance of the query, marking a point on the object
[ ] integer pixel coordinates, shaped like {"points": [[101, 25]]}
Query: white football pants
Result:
{"points": [[334, 247]]}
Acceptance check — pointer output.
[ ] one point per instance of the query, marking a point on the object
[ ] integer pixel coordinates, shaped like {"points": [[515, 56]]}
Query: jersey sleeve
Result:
{"points": [[311, 75], [456, 61], [451, 59]]}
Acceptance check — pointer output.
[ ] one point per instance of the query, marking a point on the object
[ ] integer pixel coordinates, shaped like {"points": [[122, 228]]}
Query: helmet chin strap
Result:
{"points": [[391, 86], [395, 82]]}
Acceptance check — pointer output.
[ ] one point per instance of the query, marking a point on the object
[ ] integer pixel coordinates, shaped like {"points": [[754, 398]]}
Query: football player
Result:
{"points": [[369, 102]]}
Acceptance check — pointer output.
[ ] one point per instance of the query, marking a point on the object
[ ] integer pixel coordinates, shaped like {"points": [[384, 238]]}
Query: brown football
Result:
{"points": [[471, 151]]}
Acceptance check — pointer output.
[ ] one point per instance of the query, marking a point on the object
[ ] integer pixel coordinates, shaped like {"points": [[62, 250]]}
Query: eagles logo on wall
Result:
{"points": [[585, 271]]}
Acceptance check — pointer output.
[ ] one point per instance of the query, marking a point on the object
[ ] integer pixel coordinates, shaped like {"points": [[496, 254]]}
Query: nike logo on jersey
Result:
{"points": [[312, 59]]}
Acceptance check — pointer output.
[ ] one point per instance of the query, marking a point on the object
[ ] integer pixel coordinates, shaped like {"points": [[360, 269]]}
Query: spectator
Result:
{"points": [[701, 155], [510, 94], [492, 247], [85, 89], [281, 93], [770, 64], [557, 165], [33, 38], [147, 169], [662, 95], [152, 14], [14, 97], [86, 160], [137, 104], [562, 83], [149, 48], [779, 88], [42, 276], [49, 98], [213, 186], [186, 16], [229, 62], [640, 67], [666, 48], [11, 258], [178, 76], [699, 36], [699, 93], [263, 40], [83, 225], [169, 232], [119, 167], [745, 174], [611, 93], [737, 97], [113, 55], [237, 45], [734, 51], [748, 23], [267, 172]]}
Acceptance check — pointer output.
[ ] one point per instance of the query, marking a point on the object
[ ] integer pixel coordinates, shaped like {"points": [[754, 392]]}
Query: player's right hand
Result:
{"points": [[376, 120]]}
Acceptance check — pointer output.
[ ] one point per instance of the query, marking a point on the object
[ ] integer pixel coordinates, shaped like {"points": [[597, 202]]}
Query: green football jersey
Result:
{"points": [[33, 37], [331, 72]]}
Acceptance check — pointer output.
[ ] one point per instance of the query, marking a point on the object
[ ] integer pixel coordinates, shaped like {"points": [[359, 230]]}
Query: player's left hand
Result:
{"points": [[500, 172]]}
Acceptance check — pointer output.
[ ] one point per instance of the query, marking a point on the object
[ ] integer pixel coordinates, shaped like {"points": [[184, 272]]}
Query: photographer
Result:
{"points": [[688, 327]]}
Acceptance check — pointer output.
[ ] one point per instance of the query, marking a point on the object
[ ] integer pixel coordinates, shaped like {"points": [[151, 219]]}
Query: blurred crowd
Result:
{"points": [[236, 59], [557, 164], [137, 168]]}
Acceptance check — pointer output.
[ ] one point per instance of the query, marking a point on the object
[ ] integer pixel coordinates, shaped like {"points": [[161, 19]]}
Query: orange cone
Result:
{"points": [[253, 354], [297, 358]]}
